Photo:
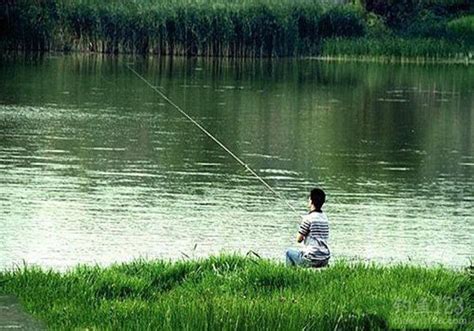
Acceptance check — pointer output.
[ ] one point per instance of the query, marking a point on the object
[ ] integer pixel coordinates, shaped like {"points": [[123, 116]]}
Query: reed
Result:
{"points": [[179, 27], [242, 293], [224, 28]]}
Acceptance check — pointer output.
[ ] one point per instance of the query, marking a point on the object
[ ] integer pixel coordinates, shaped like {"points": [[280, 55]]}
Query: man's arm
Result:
{"points": [[303, 231]]}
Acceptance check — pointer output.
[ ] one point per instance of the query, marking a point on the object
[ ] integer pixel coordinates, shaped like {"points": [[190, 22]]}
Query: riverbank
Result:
{"points": [[260, 28], [231, 292]]}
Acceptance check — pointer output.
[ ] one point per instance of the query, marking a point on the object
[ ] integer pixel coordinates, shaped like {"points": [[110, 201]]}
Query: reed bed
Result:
{"points": [[243, 293], [177, 27], [224, 28]]}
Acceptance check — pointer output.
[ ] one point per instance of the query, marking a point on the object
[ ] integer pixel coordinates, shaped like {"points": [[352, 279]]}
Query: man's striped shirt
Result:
{"points": [[315, 229]]}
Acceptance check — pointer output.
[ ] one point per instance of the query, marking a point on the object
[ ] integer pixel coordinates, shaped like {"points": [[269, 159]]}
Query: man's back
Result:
{"points": [[315, 229]]}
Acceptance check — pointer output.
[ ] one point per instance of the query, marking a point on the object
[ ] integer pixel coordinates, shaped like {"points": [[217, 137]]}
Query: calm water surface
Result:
{"points": [[96, 168]]}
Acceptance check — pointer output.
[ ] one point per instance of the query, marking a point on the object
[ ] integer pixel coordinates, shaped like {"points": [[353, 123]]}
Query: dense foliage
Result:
{"points": [[399, 14], [217, 28], [342, 21], [463, 28], [236, 28]]}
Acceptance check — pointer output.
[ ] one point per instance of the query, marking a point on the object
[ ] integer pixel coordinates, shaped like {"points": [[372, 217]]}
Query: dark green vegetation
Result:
{"points": [[240, 28], [238, 293], [393, 48]]}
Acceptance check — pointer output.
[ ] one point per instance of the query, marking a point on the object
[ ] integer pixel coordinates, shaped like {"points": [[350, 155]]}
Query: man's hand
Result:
{"points": [[299, 238]]}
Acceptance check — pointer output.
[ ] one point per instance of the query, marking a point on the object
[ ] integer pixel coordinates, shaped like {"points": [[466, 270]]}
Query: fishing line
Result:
{"points": [[217, 141]]}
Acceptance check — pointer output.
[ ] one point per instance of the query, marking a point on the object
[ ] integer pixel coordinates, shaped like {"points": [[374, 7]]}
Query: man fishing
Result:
{"points": [[314, 232], [314, 229]]}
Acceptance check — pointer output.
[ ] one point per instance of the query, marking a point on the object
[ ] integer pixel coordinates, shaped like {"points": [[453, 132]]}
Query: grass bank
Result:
{"points": [[242, 293], [398, 49], [240, 28]]}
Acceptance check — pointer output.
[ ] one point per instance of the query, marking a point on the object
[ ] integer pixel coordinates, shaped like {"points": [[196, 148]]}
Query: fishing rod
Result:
{"points": [[217, 141]]}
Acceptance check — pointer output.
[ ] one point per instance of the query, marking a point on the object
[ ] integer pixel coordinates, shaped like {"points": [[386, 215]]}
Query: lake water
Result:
{"points": [[96, 168]]}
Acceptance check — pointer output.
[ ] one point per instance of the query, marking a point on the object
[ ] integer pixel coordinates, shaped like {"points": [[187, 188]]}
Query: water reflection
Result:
{"points": [[97, 168]]}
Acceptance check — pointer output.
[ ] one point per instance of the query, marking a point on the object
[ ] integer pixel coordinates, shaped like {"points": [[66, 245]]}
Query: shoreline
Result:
{"points": [[347, 260], [255, 29], [391, 60], [323, 58]]}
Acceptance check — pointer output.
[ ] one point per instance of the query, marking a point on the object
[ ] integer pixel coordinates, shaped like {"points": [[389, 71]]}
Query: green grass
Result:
{"points": [[237, 293], [398, 48]]}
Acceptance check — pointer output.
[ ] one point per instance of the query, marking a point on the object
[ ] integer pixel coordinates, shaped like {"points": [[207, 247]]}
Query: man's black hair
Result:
{"points": [[318, 197]]}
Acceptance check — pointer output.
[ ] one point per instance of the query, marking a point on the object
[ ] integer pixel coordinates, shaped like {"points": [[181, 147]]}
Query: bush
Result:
{"points": [[397, 13], [376, 27], [447, 7], [463, 28], [342, 21], [428, 25]]}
